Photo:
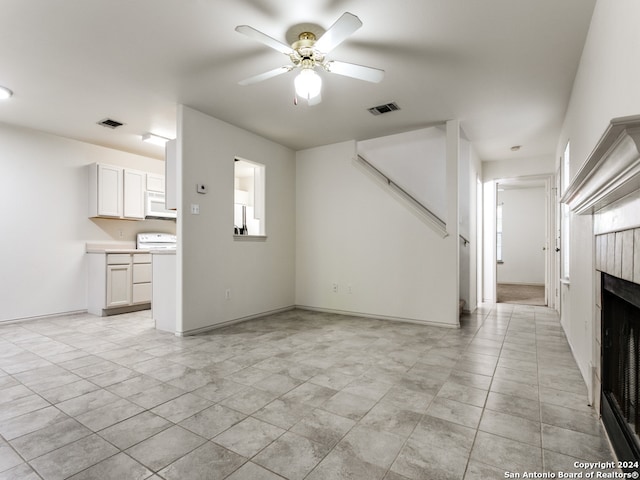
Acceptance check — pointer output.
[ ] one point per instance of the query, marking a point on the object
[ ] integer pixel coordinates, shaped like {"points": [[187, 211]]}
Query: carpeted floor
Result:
{"points": [[520, 294]]}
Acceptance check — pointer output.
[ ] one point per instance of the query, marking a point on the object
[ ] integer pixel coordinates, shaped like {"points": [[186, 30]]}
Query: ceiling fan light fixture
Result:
{"points": [[5, 93], [308, 84]]}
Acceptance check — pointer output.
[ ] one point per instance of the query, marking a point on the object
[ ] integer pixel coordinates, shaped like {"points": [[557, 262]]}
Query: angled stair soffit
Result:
{"points": [[426, 215]]}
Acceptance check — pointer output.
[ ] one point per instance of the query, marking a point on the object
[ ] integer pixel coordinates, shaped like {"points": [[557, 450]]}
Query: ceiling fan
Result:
{"points": [[307, 53]]}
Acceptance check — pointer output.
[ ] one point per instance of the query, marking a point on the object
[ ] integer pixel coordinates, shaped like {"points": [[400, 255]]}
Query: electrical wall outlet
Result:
{"points": [[334, 287], [195, 209]]}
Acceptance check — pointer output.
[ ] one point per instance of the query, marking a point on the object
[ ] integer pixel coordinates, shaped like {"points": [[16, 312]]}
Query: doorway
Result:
{"points": [[521, 241]]}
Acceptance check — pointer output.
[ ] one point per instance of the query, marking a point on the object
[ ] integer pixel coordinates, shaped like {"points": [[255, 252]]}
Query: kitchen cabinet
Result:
{"points": [[118, 293], [155, 183], [105, 191], [141, 278], [116, 192], [133, 198], [119, 282]]}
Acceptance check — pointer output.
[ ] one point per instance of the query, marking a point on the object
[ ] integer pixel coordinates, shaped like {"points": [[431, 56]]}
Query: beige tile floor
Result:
{"points": [[297, 395]]}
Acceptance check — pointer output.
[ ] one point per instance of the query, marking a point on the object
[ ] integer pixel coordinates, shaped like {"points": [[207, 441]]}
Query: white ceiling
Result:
{"points": [[505, 68]]}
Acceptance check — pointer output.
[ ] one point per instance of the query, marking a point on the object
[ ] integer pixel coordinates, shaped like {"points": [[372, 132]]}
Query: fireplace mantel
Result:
{"points": [[611, 172]]}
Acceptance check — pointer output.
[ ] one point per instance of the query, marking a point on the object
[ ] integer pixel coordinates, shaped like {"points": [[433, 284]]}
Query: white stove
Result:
{"points": [[156, 241]]}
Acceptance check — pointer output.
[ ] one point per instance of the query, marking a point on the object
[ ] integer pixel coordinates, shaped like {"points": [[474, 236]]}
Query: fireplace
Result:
{"points": [[620, 397], [607, 189]]}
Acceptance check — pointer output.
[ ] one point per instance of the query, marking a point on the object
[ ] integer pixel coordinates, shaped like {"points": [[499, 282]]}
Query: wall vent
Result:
{"points": [[110, 123], [386, 108]]}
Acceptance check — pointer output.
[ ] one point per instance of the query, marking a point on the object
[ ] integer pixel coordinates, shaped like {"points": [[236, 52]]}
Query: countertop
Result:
{"points": [[123, 247], [115, 250], [111, 247], [105, 251]]}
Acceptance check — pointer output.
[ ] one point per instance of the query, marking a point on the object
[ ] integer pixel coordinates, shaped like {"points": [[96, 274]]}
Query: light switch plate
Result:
{"points": [[195, 209]]}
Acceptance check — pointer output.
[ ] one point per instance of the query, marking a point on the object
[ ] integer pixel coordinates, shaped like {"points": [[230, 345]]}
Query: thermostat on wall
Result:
{"points": [[201, 188]]}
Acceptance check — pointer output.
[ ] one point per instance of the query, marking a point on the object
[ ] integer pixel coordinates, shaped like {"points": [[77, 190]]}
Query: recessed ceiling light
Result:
{"points": [[154, 139], [5, 93], [515, 148]]}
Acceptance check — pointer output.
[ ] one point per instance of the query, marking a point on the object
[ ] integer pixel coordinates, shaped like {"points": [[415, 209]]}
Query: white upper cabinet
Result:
{"points": [[155, 183], [116, 192], [134, 185], [105, 191]]}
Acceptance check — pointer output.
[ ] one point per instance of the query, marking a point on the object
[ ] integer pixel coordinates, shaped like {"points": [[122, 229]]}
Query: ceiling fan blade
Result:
{"points": [[315, 100], [338, 32], [368, 74], [264, 76], [264, 38]]}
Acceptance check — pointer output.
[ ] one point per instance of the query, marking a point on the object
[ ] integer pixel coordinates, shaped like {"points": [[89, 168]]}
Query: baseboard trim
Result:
{"points": [[518, 284], [208, 328], [42, 317], [107, 312], [235, 321], [377, 317]]}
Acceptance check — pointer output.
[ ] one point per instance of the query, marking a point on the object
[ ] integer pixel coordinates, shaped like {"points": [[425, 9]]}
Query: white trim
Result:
{"points": [[197, 331], [43, 317], [611, 172], [227, 323], [522, 284], [377, 317], [249, 238]]}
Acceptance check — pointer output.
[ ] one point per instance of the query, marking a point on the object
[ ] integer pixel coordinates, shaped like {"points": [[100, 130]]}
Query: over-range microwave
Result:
{"points": [[154, 206]]}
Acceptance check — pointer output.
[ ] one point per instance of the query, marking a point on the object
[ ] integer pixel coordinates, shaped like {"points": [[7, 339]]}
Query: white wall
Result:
{"points": [[352, 232], [606, 86], [493, 170], [416, 161], [523, 235], [44, 191], [260, 274]]}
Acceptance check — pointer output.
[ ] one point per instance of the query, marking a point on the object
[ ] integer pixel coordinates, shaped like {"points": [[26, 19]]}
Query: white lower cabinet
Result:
{"points": [[141, 279], [118, 286], [119, 281]]}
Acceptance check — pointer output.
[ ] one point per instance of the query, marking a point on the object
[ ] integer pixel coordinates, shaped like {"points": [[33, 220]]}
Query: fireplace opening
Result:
{"points": [[620, 405]]}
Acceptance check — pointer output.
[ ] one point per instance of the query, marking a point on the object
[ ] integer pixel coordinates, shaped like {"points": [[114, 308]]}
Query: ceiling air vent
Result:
{"points": [[387, 107], [110, 123]]}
